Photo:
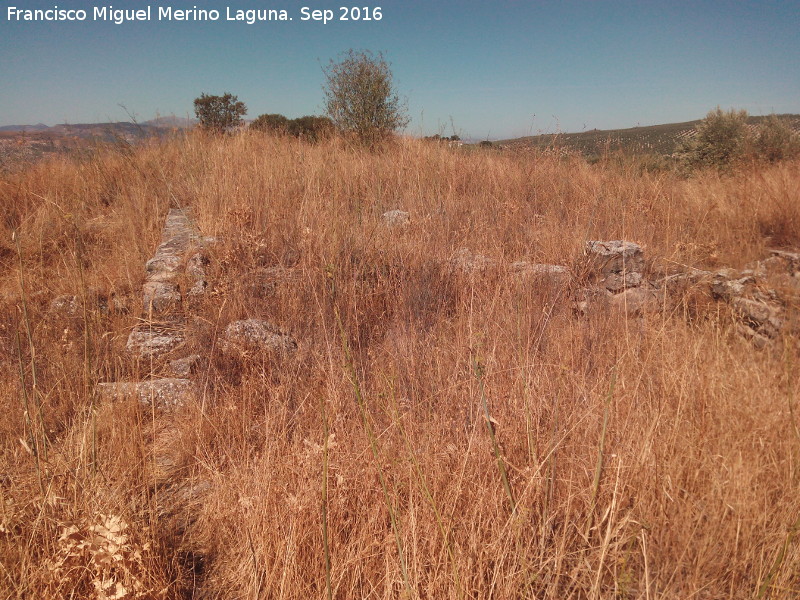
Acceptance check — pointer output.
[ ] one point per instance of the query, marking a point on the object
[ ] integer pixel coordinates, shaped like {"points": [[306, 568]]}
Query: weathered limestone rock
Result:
{"points": [[616, 255], [198, 289], [727, 289], [196, 266], [161, 393], [183, 367], [759, 296], [616, 264], [152, 342], [617, 282], [761, 313], [615, 267], [162, 267], [196, 269], [759, 316], [466, 262], [256, 335], [396, 218], [791, 260], [161, 297], [161, 292]]}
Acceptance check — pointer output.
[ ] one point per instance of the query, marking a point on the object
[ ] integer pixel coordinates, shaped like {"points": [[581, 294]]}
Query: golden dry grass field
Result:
{"points": [[626, 457]]}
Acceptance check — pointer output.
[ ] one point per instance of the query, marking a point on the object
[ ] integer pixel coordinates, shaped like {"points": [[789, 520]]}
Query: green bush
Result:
{"points": [[270, 123], [219, 114], [360, 96], [721, 139], [775, 140], [724, 138], [311, 128]]}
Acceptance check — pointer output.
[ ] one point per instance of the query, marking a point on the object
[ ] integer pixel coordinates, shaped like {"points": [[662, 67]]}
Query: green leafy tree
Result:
{"points": [[274, 122], [219, 114], [360, 96], [721, 139]]}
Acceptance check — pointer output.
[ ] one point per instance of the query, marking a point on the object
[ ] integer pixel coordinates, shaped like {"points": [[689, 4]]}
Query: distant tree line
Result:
{"points": [[310, 127], [442, 138], [360, 101], [223, 114]]}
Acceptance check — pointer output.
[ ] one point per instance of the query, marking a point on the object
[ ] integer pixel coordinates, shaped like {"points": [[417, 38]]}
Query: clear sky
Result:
{"points": [[482, 69]]}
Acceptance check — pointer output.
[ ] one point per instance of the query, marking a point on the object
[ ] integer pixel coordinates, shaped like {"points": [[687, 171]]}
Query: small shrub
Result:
{"points": [[312, 128], [721, 139], [219, 114], [270, 123], [775, 140]]}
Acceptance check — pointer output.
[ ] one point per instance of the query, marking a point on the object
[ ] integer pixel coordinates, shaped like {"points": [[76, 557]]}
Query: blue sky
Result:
{"points": [[480, 69]]}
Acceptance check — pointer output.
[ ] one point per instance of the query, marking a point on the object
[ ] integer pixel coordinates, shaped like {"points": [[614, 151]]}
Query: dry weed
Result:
{"points": [[589, 457]]}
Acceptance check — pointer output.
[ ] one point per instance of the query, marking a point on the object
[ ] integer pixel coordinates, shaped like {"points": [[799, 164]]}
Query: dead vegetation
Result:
{"points": [[437, 434]]}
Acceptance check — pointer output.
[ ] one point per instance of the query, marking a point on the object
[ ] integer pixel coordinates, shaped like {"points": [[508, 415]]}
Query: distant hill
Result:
{"points": [[24, 143], [107, 132], [13, 128], [104, 130], [654, 139]]}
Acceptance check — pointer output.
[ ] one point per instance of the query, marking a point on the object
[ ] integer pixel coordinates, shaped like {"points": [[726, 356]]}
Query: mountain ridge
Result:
{"points": [[168, 122]]}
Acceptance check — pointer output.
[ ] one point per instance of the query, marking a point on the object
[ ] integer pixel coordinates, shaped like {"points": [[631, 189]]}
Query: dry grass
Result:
{"points": [[645, 458]]}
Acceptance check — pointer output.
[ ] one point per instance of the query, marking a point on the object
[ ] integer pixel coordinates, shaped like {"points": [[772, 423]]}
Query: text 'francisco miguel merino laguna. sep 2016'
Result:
{"points": [[168, 13]]}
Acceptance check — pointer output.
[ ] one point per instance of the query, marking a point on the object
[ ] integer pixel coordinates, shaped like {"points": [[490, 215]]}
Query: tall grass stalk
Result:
{"points": [[794, 528], [41, 441], [324, 499], [31, 437], [767, 585], [478, 369], [88, 384], [598, 470], [791, 388], [444, 530], [373, 444]]}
